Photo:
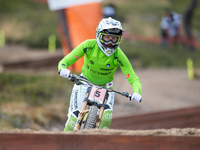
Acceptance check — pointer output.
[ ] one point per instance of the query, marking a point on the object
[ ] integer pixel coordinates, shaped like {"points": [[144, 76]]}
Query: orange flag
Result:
{"points": [[77, 22]]}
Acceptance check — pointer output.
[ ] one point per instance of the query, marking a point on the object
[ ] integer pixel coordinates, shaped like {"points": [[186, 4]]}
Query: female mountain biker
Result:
{"points": [[102, 57]]}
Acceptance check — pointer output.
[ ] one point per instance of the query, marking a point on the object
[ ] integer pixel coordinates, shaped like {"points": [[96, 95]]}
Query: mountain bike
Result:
{"points": [[94, 103]]}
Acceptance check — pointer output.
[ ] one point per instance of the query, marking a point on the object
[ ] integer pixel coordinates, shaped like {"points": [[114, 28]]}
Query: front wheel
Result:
{"points": [[91, 118]]}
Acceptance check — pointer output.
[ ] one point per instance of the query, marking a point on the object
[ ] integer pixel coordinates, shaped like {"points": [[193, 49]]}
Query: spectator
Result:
{"points": [[109, 11], [170, 28], [164, 28]]}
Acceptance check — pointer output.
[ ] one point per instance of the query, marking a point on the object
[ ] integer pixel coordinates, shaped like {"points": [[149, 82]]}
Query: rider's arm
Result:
{"points": [[128, 71], [72, 57]]}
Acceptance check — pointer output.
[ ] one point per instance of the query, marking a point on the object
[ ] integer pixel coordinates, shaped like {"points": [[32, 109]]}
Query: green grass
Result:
{"points": [[28, 22], [33, 101], [153, 55], [34, 90]]}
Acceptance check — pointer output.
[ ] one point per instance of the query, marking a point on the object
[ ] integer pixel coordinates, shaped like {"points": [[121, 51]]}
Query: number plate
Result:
{"points": [[97, 94]]}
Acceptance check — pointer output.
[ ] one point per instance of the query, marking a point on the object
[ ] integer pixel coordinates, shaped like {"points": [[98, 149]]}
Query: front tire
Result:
{"points": [[91, 118]]}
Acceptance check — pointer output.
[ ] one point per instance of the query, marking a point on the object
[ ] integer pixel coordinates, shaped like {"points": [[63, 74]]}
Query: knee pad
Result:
{"points": [[106, 119]]}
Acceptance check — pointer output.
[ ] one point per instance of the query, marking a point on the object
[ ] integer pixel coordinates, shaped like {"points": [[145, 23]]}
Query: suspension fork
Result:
{"points": [[101, 110], [81, 116]]}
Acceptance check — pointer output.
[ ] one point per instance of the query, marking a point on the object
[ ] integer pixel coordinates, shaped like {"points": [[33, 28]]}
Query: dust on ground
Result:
{"points": [[154, 132]]}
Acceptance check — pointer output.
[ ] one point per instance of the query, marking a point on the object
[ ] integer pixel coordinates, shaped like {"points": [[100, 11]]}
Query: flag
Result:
{"points": [[78, 20]]}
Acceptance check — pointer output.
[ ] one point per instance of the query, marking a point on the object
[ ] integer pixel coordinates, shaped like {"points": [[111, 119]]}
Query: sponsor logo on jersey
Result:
{"points": [[92, 62], [77, 57], [127, 76], [120, 63], [105, 69], [63, 65], [99, 73]]}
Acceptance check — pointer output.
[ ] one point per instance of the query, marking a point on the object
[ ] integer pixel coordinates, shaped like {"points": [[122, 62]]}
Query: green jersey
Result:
{"points": [[98, 68]]}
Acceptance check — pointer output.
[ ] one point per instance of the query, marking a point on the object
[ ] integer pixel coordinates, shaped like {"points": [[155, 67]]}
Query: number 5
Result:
{"points": [[97, 93]]}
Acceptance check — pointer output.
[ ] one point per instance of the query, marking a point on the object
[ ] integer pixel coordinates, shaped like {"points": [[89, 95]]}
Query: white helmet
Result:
{"points": [[112, 28]]}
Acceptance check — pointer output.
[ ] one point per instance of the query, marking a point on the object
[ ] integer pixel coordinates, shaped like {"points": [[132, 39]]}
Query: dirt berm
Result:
{"points": [[162, 136], [159, 139]]}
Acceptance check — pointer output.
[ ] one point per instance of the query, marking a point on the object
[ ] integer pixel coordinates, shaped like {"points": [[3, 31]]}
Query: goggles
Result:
{"points": [[110, 38]]}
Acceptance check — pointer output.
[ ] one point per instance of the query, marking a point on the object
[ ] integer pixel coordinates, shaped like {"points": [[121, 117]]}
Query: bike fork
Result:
{"points": [[101, 110], [81, 116]]}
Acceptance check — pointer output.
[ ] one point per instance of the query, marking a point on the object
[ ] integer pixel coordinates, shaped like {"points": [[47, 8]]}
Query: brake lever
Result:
{"points": [[79, 82], [74, 78], [126, 94]]}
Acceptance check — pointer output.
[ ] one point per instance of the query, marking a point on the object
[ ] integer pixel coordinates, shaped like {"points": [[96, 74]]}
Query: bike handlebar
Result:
{"points": [[78, 79]]}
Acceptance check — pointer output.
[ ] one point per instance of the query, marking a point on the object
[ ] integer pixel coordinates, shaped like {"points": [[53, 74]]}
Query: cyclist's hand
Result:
{"points": [[136, 97], [65, 73]]}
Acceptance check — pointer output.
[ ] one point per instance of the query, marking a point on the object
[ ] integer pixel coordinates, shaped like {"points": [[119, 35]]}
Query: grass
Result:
{"points": [[32, 101], [28, 22], [153, 55]]}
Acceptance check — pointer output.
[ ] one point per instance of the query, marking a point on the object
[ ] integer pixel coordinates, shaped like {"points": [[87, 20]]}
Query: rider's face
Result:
{"points": [[110, 37]]}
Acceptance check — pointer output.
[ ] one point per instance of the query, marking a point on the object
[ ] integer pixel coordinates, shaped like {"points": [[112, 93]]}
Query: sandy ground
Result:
{"points": [[162, 89], [160, 132]]}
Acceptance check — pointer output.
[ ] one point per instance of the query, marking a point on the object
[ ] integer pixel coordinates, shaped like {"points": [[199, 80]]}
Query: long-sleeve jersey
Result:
{"points": [[98, 68]]}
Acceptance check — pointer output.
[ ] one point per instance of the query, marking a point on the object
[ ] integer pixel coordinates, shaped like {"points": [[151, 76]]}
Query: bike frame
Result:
{"points": [[95, 96]]}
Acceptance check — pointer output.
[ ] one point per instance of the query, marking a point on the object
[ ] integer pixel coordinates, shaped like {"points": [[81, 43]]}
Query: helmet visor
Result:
{"points": [[114, 31], [110, 38]]}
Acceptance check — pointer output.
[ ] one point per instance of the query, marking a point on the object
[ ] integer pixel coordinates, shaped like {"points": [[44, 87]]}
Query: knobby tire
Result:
{"points": [[91, 118]]}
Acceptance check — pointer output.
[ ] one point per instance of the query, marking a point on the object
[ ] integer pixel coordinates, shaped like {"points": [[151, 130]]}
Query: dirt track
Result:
{"points": [[102, 139], [163, 90]]}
